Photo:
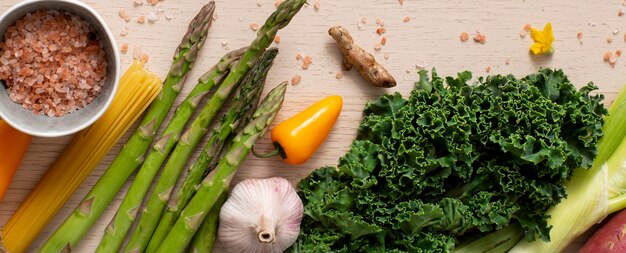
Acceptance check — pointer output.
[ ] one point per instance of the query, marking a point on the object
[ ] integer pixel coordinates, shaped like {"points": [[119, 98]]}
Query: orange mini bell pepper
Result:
{"points": [[297, 138], [13, 146]]}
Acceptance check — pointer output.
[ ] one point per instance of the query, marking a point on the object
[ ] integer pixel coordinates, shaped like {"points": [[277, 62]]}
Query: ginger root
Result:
{"points": [[354, 55]]}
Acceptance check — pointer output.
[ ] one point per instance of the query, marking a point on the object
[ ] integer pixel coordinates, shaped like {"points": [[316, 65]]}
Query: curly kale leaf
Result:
{"points": [[452, 159]]}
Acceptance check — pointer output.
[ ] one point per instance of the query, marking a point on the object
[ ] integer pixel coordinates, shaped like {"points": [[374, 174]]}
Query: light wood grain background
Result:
{"points": [[429, 39]]}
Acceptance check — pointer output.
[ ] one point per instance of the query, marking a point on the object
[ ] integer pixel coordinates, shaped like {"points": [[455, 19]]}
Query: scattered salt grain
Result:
{"points": [[615, 31], [254, 26], [295, 80], [386, 56], [160, 10], [464, 36], [380, 30], [258, 3], [406, 19], [480, 38], [307, 60], [378, 46], [124, 15], [364, 20], [152, 17], [522, 34], [137, 52], [609, 40], [613, 60], [139, 2], [607, 55], [420, 64], [380, 22], [124, 48], [168, 16], [407, 71], [339, 75], [316, 6], [124, 32], [241, 19]]}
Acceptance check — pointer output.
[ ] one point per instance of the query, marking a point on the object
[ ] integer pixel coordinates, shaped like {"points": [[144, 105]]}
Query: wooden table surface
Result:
{"points": [[429, 39]]}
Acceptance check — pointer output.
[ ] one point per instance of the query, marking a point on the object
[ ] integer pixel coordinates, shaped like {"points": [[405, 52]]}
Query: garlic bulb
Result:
{"points": [[261, 215]]}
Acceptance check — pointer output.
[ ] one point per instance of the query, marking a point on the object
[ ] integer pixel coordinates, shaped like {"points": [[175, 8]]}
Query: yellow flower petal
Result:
{"points": [[536, 48], [543, 39], [547, 32]]}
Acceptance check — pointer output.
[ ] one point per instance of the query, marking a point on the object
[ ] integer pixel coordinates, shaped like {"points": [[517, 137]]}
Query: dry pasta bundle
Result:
{"points": [[138, 87]]}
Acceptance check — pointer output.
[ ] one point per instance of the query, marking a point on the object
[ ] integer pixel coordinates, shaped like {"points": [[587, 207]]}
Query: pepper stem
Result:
{"points": [[277, 151]]}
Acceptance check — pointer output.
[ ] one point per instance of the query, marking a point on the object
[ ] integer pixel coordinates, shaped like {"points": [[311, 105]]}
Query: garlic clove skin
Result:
{"points": [[260, 215]]}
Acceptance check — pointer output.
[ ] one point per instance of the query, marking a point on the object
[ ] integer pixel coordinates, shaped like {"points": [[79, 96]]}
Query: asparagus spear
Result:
{"points": [[131, 155], [190, 139], [218, 181], [245, 102], [122, 221], [204, 239], [147, 222]]}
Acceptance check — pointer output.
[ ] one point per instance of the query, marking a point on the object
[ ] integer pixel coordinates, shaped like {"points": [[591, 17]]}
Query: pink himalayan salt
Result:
{"points": [[52, 62]]}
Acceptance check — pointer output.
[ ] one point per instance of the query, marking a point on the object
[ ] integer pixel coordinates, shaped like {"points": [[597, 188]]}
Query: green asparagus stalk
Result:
{"points": [[117, 230], [244, 102], [131, 155], [218, 181], [157, 201], [204, 239], [149, 219]]}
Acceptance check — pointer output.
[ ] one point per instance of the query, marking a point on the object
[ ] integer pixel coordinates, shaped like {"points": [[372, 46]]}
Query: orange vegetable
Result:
{"points": [[297, 138], [13, 146]]}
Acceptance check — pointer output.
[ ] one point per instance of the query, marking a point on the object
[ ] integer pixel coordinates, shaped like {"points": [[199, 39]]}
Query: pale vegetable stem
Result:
{"points": [[122, 221], [217, 182], [131, 155], [243, 103]]}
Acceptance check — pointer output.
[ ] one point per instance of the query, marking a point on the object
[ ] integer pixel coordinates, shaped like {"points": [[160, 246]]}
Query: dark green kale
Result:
{"points": [[453, 159]]}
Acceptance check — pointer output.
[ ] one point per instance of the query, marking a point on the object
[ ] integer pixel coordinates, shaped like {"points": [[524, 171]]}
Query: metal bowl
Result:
{"points": [[25, 120]]}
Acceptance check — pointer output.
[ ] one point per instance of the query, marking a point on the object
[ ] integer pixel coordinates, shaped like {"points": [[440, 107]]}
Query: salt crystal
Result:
{"points": [[136, 52], [615, 31], [152, 17], [316, 6], [295, 80]]}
